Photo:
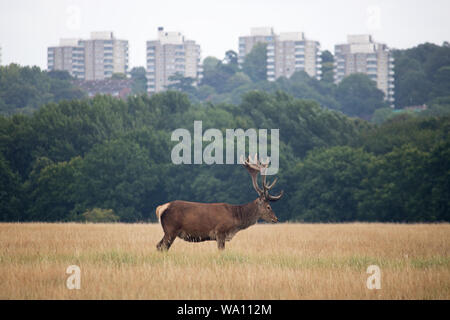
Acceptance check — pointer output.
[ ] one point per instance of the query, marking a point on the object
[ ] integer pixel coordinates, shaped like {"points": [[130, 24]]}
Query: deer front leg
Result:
{"points": [[221, 241]]}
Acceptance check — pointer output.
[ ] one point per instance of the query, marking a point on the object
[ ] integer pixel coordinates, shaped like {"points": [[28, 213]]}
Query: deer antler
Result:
{"points": [[254, 166]]}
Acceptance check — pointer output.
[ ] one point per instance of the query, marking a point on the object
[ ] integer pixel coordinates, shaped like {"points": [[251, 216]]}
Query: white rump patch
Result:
{"points": [[160, 210]]}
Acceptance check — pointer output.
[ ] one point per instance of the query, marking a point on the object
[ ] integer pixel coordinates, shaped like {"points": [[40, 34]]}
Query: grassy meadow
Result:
{"points": [[283, 261]]}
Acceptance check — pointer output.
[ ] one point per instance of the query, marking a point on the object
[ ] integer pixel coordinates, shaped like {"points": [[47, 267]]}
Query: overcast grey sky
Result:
{"points": [[28, 27]]}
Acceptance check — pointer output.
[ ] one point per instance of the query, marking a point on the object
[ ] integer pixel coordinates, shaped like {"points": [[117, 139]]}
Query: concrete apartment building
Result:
{"points": [[170, 54], [94, 59], [68, 56], [104, 55], [362, 55], [287, 52]]}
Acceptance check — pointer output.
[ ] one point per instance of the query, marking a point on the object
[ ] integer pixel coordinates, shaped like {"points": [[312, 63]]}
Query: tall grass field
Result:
{"points": [[282, 261]]}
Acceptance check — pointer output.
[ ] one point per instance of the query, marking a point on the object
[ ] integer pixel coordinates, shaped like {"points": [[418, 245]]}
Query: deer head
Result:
{"points": [[254, 166]]}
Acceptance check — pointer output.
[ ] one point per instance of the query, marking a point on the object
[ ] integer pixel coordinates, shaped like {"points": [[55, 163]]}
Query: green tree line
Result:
{"points": [[25, 89], [104, 157], [421, 76]]}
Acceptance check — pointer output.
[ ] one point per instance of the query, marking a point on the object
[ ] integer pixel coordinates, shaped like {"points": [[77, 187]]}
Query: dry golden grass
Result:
{"points": [[284, 261]]}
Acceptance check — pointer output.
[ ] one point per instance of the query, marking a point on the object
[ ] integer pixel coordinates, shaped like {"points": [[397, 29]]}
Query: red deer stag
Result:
{"points": [[195, 222]]}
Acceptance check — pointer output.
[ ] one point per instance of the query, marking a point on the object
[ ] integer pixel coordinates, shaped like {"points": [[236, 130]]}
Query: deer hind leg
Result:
{"points": [[165, 242]]}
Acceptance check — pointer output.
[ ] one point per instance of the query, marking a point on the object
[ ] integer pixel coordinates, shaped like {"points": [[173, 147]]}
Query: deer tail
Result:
{"points": [[160, 210]]}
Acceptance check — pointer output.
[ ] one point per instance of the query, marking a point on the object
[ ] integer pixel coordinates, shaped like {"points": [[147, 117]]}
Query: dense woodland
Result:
{"points": [[64, 157]]}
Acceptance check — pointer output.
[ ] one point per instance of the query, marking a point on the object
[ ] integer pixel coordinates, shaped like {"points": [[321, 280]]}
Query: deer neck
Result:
{"points": [[247, 214]]}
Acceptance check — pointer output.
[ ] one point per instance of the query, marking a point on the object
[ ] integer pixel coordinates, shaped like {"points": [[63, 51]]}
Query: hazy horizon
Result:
{"points": [[28, 27]]}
